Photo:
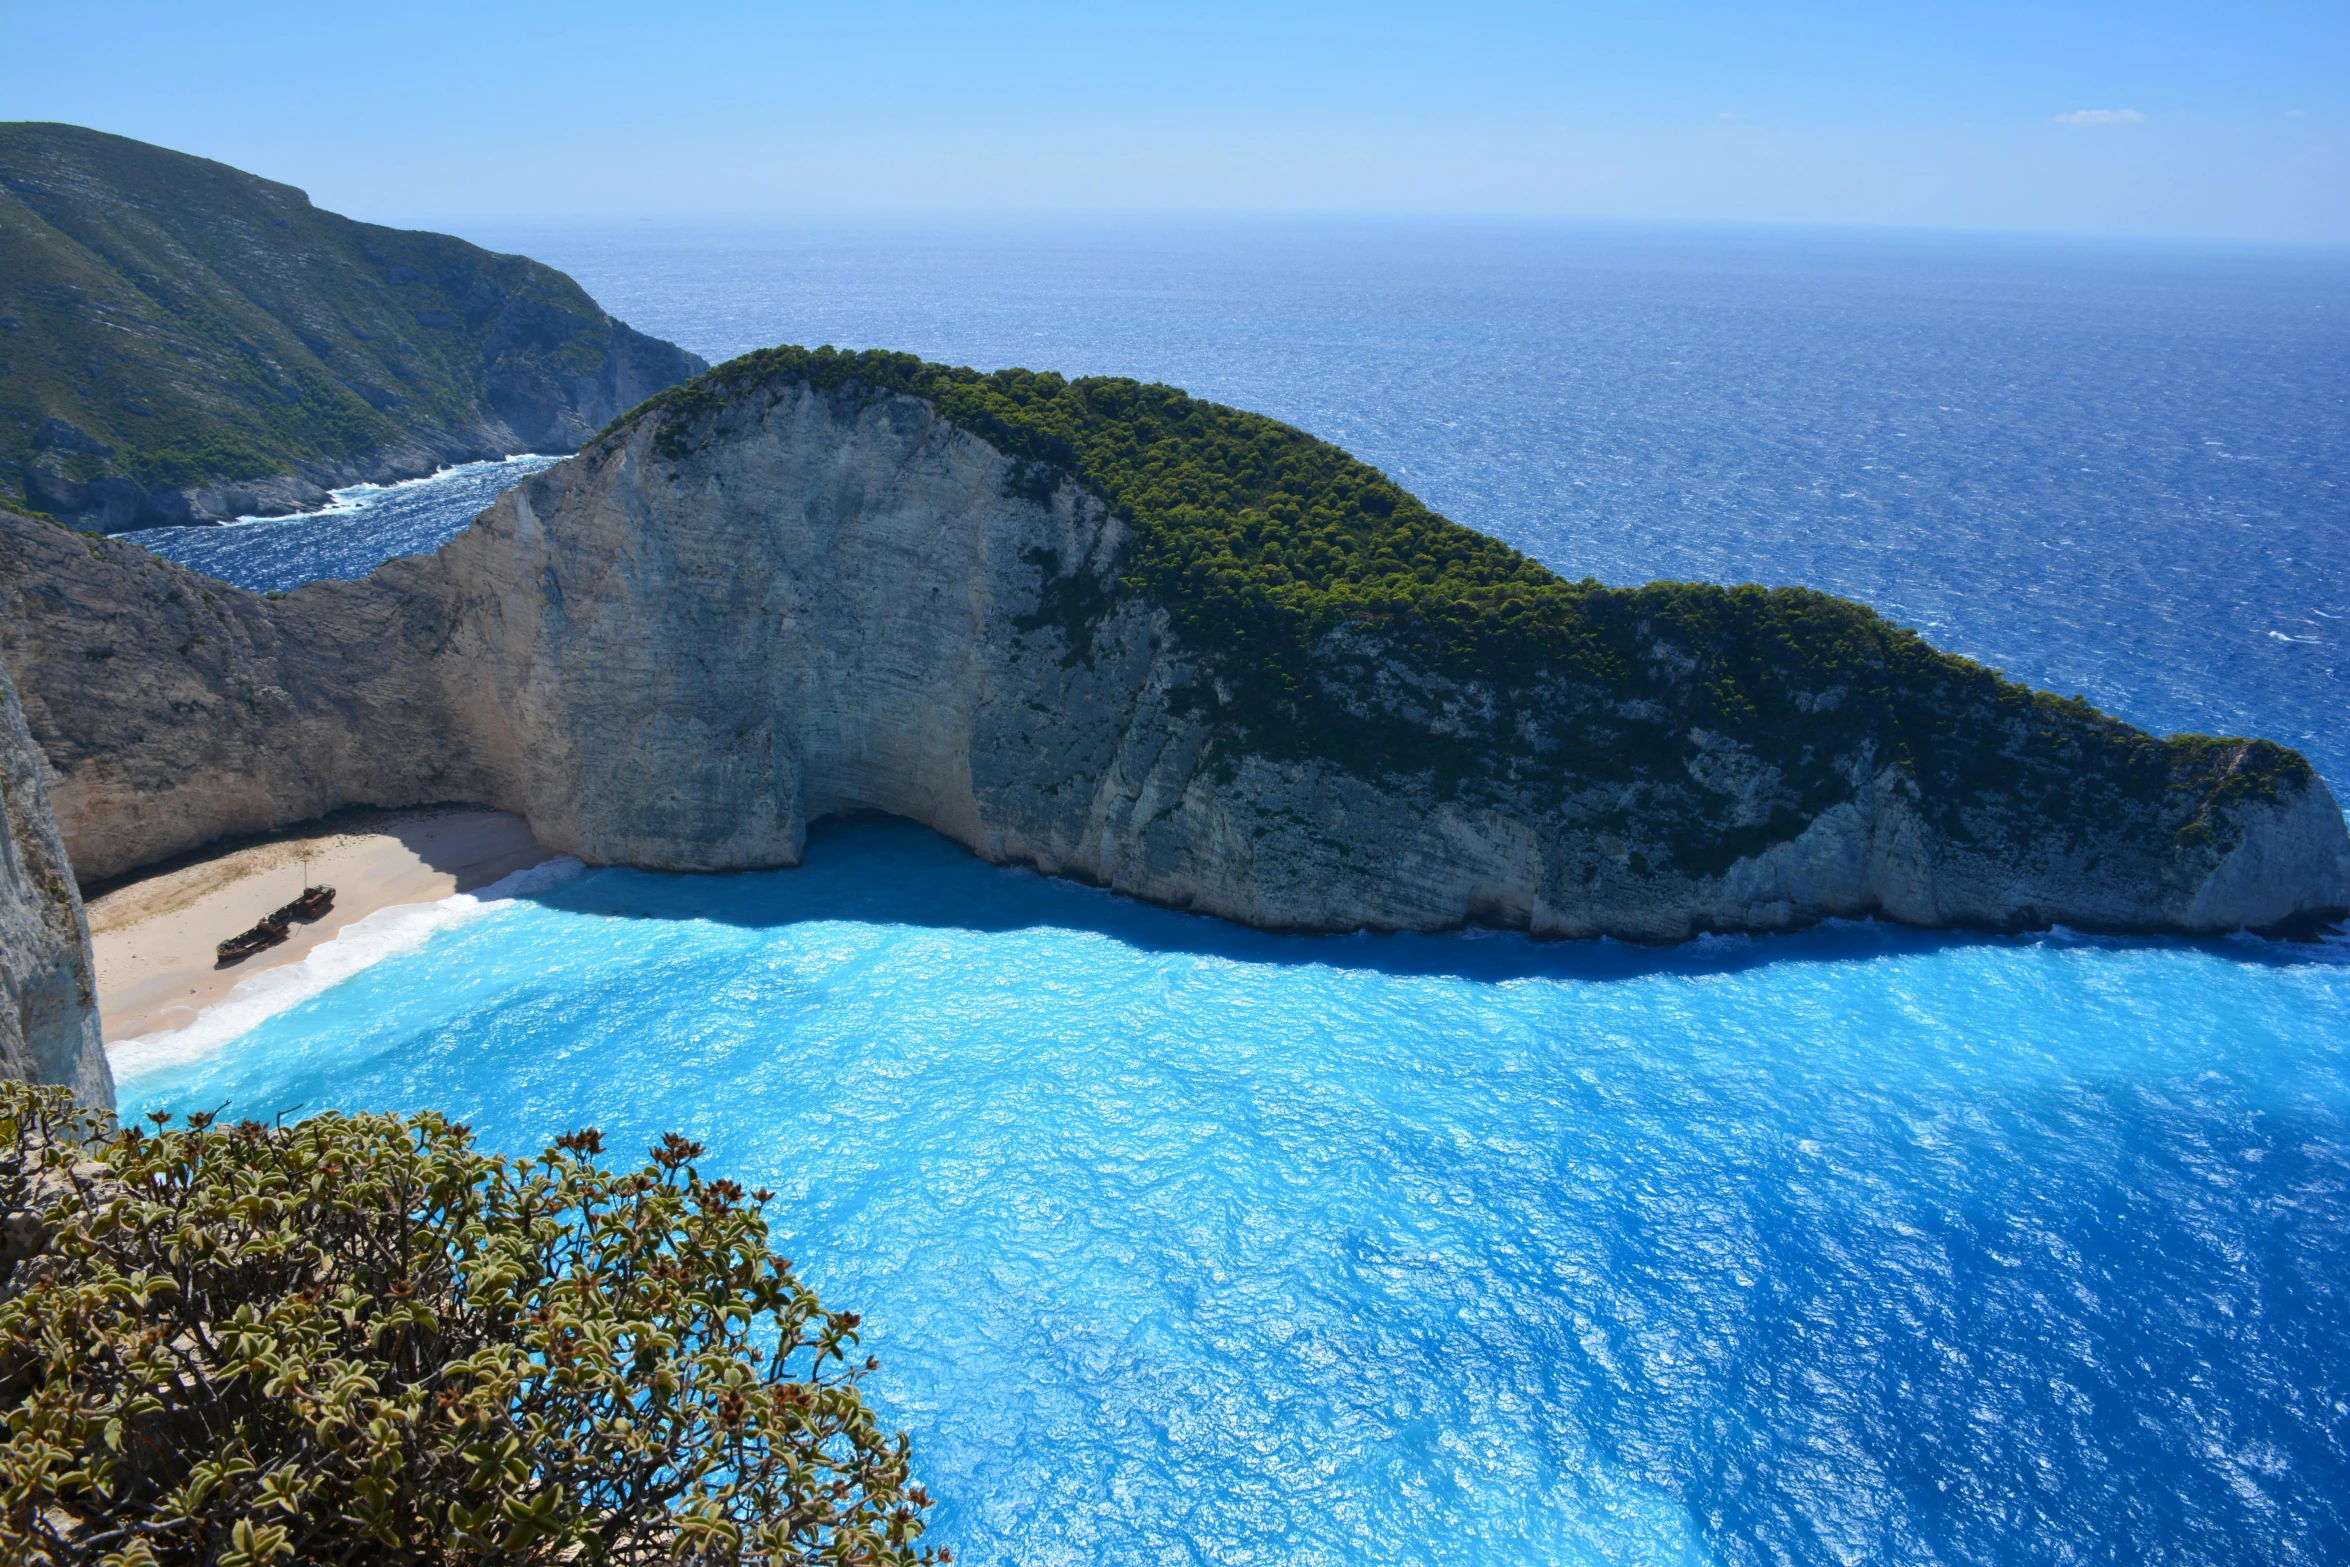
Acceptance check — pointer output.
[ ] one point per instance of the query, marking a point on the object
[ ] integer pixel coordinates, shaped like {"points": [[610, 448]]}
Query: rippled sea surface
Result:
{"points": [[367, 525], [2118, 470], [1181, 1243], [2115, 470]]}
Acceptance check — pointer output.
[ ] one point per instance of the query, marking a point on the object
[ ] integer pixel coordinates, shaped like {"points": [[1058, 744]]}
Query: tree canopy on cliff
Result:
{"points": [[358, 1339], [1296, 572]]}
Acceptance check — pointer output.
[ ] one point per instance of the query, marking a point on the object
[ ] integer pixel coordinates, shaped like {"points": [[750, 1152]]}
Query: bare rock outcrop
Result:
{"points": [[48, 986], [676, 654], [174, 709]]}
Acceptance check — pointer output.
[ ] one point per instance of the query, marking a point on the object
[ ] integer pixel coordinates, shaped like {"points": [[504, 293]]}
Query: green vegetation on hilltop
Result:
{"points": [[1255, 534], [1303, 580], [358, 1339], [167, 321]]}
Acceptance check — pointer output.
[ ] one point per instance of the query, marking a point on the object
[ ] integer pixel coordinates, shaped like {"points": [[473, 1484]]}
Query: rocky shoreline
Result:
{"points": [[188, 343], [120, 506], [833, 600]]}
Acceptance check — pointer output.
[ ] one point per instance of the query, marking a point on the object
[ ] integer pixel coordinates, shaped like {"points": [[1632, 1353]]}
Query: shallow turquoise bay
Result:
{"points": [[1182, 1243]]}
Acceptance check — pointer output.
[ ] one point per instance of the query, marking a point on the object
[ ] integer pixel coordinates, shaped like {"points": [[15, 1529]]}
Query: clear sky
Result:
{"points": [[2138, 118]]}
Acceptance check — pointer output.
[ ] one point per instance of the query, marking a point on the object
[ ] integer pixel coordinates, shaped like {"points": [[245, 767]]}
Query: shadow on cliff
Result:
{"points": [[872, 869]]}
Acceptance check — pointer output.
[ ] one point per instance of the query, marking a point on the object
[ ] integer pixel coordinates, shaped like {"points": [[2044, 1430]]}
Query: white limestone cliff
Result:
{"points": [[48, 987], [679, 663]]}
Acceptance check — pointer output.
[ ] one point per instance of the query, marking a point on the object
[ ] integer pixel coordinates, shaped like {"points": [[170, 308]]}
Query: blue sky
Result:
{"points": [[2228, 121]]}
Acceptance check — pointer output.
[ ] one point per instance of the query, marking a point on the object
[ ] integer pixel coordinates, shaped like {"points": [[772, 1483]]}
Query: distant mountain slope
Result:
{"points": [[183, 342]]}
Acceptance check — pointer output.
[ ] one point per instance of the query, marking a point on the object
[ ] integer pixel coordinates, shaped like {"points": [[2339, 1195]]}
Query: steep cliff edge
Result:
{"points": [[184, 342], [48, 989], [1160, 645], [174, 709]]}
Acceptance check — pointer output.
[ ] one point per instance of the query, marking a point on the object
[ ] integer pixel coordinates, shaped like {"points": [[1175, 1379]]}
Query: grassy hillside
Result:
{"points": [[1303, 579], [169, 321]]}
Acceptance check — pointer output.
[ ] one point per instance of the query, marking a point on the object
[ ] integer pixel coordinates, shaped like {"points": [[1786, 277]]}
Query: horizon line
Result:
{"points": [[778, 218]]}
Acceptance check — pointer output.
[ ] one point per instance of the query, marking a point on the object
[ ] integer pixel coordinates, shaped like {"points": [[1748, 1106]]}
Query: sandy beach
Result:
{"points": [[155, 935]]}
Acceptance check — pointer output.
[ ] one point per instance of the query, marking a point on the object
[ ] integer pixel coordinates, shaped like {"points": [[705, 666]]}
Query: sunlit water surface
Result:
{"points": [[2115, 469], [1182, 1243]]}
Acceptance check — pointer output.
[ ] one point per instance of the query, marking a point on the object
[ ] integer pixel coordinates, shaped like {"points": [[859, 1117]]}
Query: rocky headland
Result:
{"points": [[182, 342], [1126, 636]]}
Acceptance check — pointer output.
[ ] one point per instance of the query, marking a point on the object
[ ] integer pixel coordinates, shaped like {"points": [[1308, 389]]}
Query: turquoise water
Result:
{"points": [[1183, 1243]]}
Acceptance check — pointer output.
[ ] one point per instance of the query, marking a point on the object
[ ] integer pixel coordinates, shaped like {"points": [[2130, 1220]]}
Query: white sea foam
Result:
{"points": [[353, 498], [359, 945]]}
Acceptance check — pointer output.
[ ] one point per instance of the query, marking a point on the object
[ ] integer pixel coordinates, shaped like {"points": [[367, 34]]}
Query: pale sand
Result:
{"points": [[155, 936]]}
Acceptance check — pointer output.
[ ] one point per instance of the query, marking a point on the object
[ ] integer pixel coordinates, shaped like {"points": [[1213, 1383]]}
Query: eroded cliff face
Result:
{"points": [[48, 986], [837, 600], [173, 709]]}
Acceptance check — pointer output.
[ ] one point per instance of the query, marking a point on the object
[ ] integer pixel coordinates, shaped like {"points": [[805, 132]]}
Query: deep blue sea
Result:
{"points": [[1181, 1243]]}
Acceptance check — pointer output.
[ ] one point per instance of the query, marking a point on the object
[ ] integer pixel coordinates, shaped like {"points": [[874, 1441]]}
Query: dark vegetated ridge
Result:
{"points": [[1303, 580], [167, 322]]}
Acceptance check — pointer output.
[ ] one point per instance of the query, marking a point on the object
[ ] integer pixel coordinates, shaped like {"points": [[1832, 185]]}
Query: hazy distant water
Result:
{"points": [[1182, 1243], [2118, 470]]}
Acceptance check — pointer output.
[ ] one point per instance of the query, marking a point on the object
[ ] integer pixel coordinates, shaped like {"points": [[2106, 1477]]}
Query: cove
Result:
{"points": [[1182, 1242], [367, 525]]}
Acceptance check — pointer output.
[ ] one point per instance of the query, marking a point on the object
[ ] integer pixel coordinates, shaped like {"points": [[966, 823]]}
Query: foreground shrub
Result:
{"points": [[358, 1339]]}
